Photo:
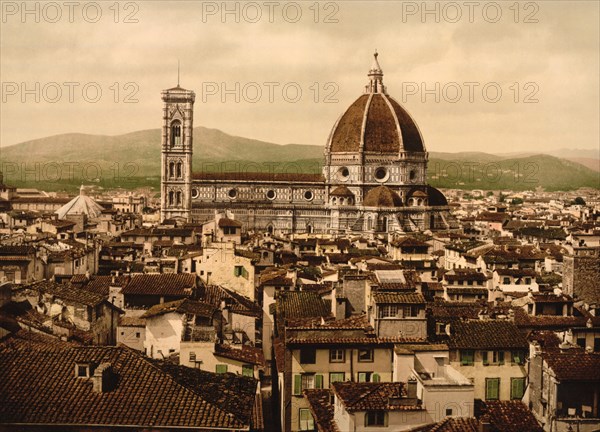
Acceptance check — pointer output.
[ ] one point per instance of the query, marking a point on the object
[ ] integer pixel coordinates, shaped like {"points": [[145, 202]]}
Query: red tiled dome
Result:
{"points": [[376, 120]]}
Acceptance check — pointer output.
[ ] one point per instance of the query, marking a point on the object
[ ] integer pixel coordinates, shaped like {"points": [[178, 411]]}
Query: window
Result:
{"points": [[307, 423], [506, 281], [467, 357], [307, 381], [365, 355], [527, 280], [410, 311], [368, 377], [581, 342], [336, 377], [238, 270], [308, 356], [308, 195], [175, 133], [517, 388], [247, 370], [337, 355], [375, 418], [381, 174], [448, 412], [517, 357], [492, 357], [221, 368], [83, 370], [232, 193], [192, 356], [596, 344], [388, 311], [271, 194], [492, 388]]}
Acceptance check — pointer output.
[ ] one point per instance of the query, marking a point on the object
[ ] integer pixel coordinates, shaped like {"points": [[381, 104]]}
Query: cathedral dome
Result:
{"points": [[382, 196], [375, 122]]}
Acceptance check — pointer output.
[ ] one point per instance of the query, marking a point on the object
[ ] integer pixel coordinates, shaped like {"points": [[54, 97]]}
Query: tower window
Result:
{"points": [[178, 195], [175, 133], [171, 169], [171, 194], [178, 169]]}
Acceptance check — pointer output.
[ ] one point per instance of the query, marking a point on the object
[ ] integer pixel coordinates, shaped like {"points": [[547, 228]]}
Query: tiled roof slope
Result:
{"points": [[574, 364], [232, 393], [372, 396], [508, 416], [302, 304], [397, 297], [40, 387], [181, 306], [161, 284], [322, 410], [492, 334]]}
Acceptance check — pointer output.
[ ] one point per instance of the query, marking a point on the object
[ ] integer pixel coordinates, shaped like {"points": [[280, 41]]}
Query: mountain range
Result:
{"points": [[133, 159]]}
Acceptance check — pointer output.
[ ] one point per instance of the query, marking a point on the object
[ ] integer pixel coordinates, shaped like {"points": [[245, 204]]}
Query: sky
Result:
{"points": [[476, 76]]}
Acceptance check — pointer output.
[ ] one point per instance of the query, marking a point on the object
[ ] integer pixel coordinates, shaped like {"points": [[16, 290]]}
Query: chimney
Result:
{"points": [[511, 315], [411, 388], [484, 424], [103, 379]]}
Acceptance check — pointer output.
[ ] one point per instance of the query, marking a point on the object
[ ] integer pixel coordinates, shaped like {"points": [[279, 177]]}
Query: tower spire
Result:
{"points": [[375, 77]]}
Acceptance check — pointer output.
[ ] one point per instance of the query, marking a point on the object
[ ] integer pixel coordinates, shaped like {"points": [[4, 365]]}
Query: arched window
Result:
{"points": [[411, 202], [178, 169], [333, 200], [178, 198], [309, 229], [171, 169], [342, 199], [369, 223], [170, 198], [384, 224], [419, 201], [175, 133]]}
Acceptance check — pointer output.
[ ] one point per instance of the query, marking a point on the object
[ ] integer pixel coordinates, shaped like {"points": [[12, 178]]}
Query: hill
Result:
{"points": [[133, 159]]}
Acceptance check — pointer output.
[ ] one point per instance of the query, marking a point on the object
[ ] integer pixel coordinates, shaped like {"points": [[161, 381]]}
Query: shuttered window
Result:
{"points": [[492, 388], [517, 388]]}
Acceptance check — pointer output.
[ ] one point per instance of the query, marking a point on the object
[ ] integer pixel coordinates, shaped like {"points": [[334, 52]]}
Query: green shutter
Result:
{"points": [[221, 368], [375, 378], [319, 381], [517, 388], [501, 357], [362, 377], [297, 384]]}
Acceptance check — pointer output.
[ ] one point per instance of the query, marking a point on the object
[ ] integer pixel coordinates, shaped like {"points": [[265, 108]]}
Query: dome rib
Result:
{"points": [[347, 134]]}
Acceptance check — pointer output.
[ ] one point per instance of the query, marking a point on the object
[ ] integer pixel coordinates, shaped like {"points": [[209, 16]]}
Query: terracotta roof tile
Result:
{"points": [[161, 284], [375, 396], [57, 397], [490, 334]]}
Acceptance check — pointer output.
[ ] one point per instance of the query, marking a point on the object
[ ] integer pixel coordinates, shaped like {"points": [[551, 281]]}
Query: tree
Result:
{"points": [[517, 201], [579, 201]]}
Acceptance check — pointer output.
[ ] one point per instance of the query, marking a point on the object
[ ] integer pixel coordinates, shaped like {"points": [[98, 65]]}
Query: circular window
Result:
{"points": [[271, 194], [412, 175], [381, 174], [343, 173], [309, 195], [232, 193], [195, 193]]}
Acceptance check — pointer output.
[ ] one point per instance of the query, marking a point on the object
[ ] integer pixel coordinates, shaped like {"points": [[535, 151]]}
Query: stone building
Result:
{"points": [[374, 175]]}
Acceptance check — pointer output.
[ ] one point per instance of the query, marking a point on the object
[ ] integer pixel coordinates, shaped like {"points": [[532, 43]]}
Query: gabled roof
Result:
{"points": [[319, 402], [57, 397], [398, 298], [486, 334], [68, 292], [508, 416], [184, 306], [161, 284], [301, 304], [374, 396]]}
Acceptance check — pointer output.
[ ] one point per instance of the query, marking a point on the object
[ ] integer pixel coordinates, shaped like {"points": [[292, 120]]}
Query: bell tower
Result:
{"points": [[177, 148]]}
